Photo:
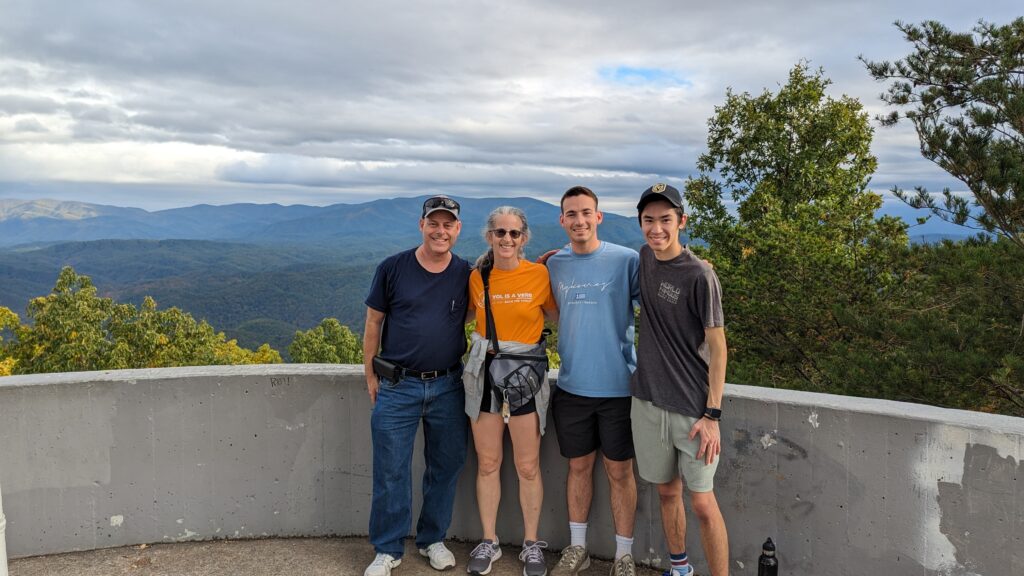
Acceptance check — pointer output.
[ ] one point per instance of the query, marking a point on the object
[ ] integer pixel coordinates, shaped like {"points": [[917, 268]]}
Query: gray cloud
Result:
{"points": [[11, 104], [29, 125], [326, 100]]}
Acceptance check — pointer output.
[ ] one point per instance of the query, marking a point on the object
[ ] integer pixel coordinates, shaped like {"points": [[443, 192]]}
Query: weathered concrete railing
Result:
{"points": [[843, 485], [3, 539]]}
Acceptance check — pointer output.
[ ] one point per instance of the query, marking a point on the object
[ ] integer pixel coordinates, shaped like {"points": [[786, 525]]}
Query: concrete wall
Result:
{"points": [[844, 485]]}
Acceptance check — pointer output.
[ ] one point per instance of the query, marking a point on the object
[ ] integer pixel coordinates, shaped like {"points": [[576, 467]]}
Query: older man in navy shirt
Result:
{"points": [[416, 310]]}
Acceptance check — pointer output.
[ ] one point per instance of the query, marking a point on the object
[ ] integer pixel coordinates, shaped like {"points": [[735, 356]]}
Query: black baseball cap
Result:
{"points": [[660, 192], [440, 202]]}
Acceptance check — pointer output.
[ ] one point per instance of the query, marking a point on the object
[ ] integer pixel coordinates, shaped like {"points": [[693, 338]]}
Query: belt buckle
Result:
{"points": [[430, 375]]}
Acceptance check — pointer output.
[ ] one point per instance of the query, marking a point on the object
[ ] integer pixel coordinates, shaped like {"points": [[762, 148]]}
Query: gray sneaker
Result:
{"points": [[481, 558], [573, 561], [624, 566], [533, 558]]}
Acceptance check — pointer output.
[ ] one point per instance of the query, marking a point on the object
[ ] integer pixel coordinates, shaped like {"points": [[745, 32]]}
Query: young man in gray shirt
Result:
{"points": [[680, 377]]}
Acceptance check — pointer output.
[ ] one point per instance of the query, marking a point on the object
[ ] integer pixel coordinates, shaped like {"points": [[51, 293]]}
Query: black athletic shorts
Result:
{"points": [[490, 390], [584, 424]]}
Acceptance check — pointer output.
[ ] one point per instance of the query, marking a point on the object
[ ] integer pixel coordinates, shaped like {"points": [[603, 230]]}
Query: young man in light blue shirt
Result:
{"points": [[596, 286]]}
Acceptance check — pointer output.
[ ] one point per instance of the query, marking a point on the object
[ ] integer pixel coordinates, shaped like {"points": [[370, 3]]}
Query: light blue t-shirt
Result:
{"points": [[596, 294]]}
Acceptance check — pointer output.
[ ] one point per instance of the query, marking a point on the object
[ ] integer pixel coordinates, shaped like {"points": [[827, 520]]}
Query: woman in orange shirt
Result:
{"points": [[520, 297]]}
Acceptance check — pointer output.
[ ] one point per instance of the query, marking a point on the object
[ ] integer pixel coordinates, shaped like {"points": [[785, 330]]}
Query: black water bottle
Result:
{"points": [[767, 564]]}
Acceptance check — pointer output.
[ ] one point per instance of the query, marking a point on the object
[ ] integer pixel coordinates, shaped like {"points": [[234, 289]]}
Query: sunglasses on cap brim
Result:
{"points": [[440, 202]]}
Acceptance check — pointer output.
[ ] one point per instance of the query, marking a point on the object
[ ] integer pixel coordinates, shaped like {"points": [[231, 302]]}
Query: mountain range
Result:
{"points": [[391, 222], [259, 272]]}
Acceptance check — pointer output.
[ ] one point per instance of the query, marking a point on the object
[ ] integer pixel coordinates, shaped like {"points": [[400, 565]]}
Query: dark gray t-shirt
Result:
{"points": [[679, 298]]}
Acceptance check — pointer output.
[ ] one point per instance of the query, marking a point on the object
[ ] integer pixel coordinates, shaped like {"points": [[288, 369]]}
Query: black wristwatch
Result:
{"points": [[713, 414]]}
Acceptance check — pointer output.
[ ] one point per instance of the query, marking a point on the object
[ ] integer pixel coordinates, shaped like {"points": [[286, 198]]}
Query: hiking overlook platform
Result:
{"points": [[267, 470]]}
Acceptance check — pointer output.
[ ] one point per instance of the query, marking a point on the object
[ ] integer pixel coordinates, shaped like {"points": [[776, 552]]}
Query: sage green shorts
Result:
{"points": [[664, 450]]}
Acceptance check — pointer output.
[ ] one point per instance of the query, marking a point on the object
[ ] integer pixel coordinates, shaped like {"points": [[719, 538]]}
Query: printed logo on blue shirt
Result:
{"points": [[579, 291]]}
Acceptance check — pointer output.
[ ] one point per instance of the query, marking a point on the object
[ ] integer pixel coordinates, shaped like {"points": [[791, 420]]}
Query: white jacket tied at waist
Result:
{"points": [[473, 376]]}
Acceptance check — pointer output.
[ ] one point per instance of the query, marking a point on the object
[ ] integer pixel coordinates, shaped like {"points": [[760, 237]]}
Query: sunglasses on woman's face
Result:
{"points": [[500, 233]]}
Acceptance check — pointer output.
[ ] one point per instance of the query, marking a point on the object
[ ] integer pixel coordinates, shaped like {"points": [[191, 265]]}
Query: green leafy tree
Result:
{"points": [[955, 336], [73, 329], [802, 258], [960, 342], [228, 352], [554, 360], [152, 338], [327, 343], [964, 95], [8, 322], [68, 331]]}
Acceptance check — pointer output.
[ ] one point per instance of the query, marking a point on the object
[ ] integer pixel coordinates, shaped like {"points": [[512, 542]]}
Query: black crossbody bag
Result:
{"points": [[518, 377]]}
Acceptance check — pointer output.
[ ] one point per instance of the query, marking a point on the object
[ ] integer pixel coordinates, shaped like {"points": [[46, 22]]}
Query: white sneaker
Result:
{"points": [[382, 565], [441, 558]]}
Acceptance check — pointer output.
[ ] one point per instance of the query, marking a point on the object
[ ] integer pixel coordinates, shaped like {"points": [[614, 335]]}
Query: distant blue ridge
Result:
{"points": [[383, 224]]}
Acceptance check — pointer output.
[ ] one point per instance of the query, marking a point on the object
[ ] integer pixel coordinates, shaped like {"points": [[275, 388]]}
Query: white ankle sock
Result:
{"points": [[623, 546], [578, 533]]}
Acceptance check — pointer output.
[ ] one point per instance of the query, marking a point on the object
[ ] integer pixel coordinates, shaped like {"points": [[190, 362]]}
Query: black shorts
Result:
{"points": [[584, 424], [491, 391]]}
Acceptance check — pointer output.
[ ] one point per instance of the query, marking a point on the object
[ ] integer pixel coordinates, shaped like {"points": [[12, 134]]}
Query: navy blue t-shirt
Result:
{"points": [[424, 312]]}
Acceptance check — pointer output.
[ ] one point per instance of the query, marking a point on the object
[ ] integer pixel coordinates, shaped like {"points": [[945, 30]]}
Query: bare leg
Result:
{"points": [[525, 433], [673, 515], [623, 494], [713, 534], [488, 436], [579, 487]]}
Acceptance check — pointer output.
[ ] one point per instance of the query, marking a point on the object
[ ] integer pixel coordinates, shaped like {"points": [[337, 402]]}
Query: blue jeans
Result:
{"points": [[440, 404]]}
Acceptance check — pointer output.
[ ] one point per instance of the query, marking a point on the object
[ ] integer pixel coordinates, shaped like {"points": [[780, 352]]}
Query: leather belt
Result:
{"points": [[429, 374]]}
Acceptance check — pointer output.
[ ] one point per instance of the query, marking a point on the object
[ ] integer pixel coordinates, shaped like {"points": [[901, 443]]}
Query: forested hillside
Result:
{"points": [[286, 269], [256, 294]]}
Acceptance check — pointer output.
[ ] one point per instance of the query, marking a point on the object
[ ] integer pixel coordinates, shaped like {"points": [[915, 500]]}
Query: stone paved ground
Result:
{"points": [[271, 557]]}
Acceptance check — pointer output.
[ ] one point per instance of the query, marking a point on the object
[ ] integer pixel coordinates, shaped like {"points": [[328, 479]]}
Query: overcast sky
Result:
{"points": [[160, 103]]}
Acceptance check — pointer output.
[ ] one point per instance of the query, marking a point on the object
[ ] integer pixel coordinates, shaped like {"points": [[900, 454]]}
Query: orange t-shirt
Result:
{"points": [[518, 300]]}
